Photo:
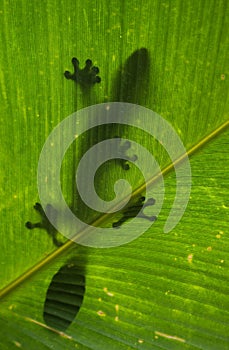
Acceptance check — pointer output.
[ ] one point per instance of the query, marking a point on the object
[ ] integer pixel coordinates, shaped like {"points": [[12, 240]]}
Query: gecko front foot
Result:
{"points": [[133, 211], [86, 76], [45, 223], [124, 147]]}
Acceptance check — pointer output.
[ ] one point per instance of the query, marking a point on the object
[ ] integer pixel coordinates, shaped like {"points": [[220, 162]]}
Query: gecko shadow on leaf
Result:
{"points": [[65, 294]]}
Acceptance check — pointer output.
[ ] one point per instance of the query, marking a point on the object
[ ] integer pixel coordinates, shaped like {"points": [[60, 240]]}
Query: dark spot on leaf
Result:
{"points": [[64, 297]]}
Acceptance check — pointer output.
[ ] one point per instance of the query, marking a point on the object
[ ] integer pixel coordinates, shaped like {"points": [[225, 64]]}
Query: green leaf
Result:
{"points": [[161, 291]]}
